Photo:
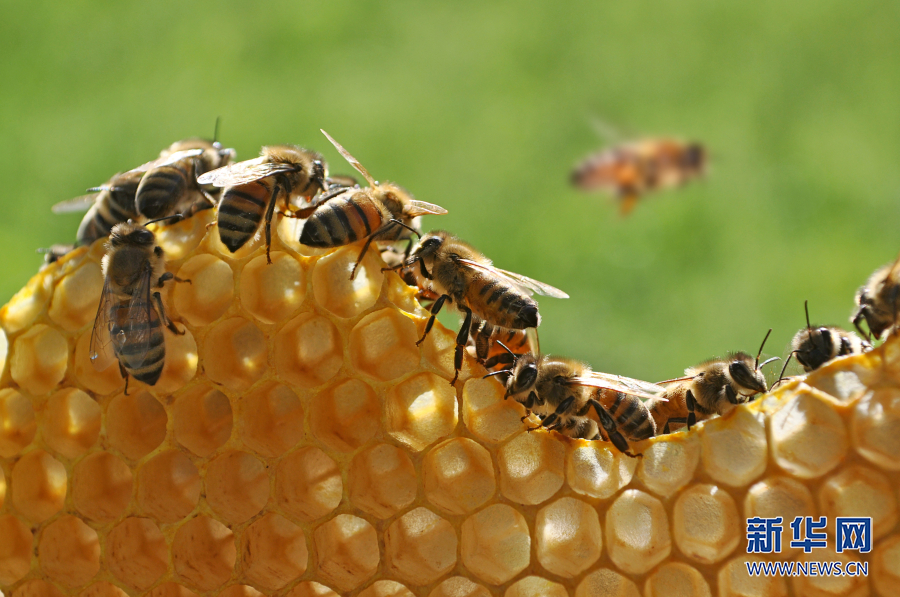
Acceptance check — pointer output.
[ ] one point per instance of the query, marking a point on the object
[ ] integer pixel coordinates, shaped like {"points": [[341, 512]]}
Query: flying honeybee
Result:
{"points": [[382, 212], [631, 170], [815, 346], [713, 387], [254, 187], [106, 205], [879, 301], [562, 392], [128, 327], [170, 184], [457, 272]]}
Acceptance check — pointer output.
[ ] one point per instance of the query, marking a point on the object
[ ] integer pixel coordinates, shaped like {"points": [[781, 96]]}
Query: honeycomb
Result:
{"points": [[300, 444]]}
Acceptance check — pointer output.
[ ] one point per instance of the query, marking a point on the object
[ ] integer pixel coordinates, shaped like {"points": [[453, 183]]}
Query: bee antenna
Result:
{"points": [[783, 369], [216, 130], [410, 228], [806, 308], [176, 217], [501, 372], [767, 361], [506, 348], [761, 347]]}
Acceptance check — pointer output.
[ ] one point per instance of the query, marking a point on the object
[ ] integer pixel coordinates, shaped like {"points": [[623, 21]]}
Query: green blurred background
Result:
{"points": [[483, 108]]}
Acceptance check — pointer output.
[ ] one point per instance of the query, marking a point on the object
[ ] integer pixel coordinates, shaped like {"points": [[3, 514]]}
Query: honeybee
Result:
{"points": [[815, 346], [106, 205], [384, 212], [128, 326], [457, 272], [170, 183], [253, 188], [631, 170], [563, 391], [713, 387], [878, 302], [497, 348]]}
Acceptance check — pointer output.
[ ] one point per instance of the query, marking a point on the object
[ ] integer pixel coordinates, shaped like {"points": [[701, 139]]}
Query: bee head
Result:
{"points": [[749, 380], [429, 244], [129, 233], [523, 374], [318, 173], [695, 156]]}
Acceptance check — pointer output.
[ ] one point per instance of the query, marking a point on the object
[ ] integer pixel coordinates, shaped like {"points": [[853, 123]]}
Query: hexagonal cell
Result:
{"points": [[459, 586], [308, 484], [180, 364], [69, 551], [334, 289], [386, 588], [885, 571], [171, 589], [202, 420], [382, 480], [637, 532], [39, 359], [735, 581], [569, 539], [420, 410], [75, 298], [383, 345], [420, 547], [345, 416], [459, 475], [272, 419], [807, 436], [308, 351], [606, 583], [676, 580], [237, 486], [274, 552], [496, 545], [203, 553], [847, 585], [240, 591], [860, 491], [440, 348], [38, 483], [235, 354], [15, 549], [100, 382], [208, 295], [168, 486], [486, 414], [779, 496], [102, 589], [71, 422], [181, 238], [535, 585], [136, 552], [271, 292], [135, 424], [311, 589], [19, 423], [876, 419], [706, 524], [101, 487], [37, 588], [734, 449], [843, 386], [24, 307], [531, 467], [669, 463], [347, 549], [598, 471]]}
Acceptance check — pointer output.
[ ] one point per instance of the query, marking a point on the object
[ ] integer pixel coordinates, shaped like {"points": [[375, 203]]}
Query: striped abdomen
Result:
{"points": [[240, 212], [160, 190], [342, 220], [501, 303], [492, 355], [631, 415], [138, 340], [112, 207]]}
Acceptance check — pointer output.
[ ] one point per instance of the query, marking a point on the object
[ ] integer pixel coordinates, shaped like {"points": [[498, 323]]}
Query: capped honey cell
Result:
{"points": [[606, 583], [569, 539], [596, 470], [459, 476], [535, 585], [668, 464], [637, 532], [386, 588], [459, 586], [706, 524], [495, 544], [531, 467], [486, 414], [807, 435]]}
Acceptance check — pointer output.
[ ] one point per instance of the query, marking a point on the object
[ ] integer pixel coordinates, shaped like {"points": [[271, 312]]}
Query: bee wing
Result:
{"points": [[243, 172], [101, 352], [82, 203], [423, 208], [342, 180], [619, 383], [140, 318], [169, 159], [353, 161], [524, 282]]}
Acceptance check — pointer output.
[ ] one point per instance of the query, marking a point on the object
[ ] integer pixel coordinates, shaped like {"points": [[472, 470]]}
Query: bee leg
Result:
{"points": [[425, 273], [729, 394], [162, 315], [435, 308], [368, 242], [612, 431], [270, 211], [666, 429], [691, 403], [461, 340], [124, 374]]}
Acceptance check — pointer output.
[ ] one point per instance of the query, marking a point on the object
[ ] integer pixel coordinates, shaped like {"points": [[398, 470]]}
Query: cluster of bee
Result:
{"points": [[500, 315]]}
